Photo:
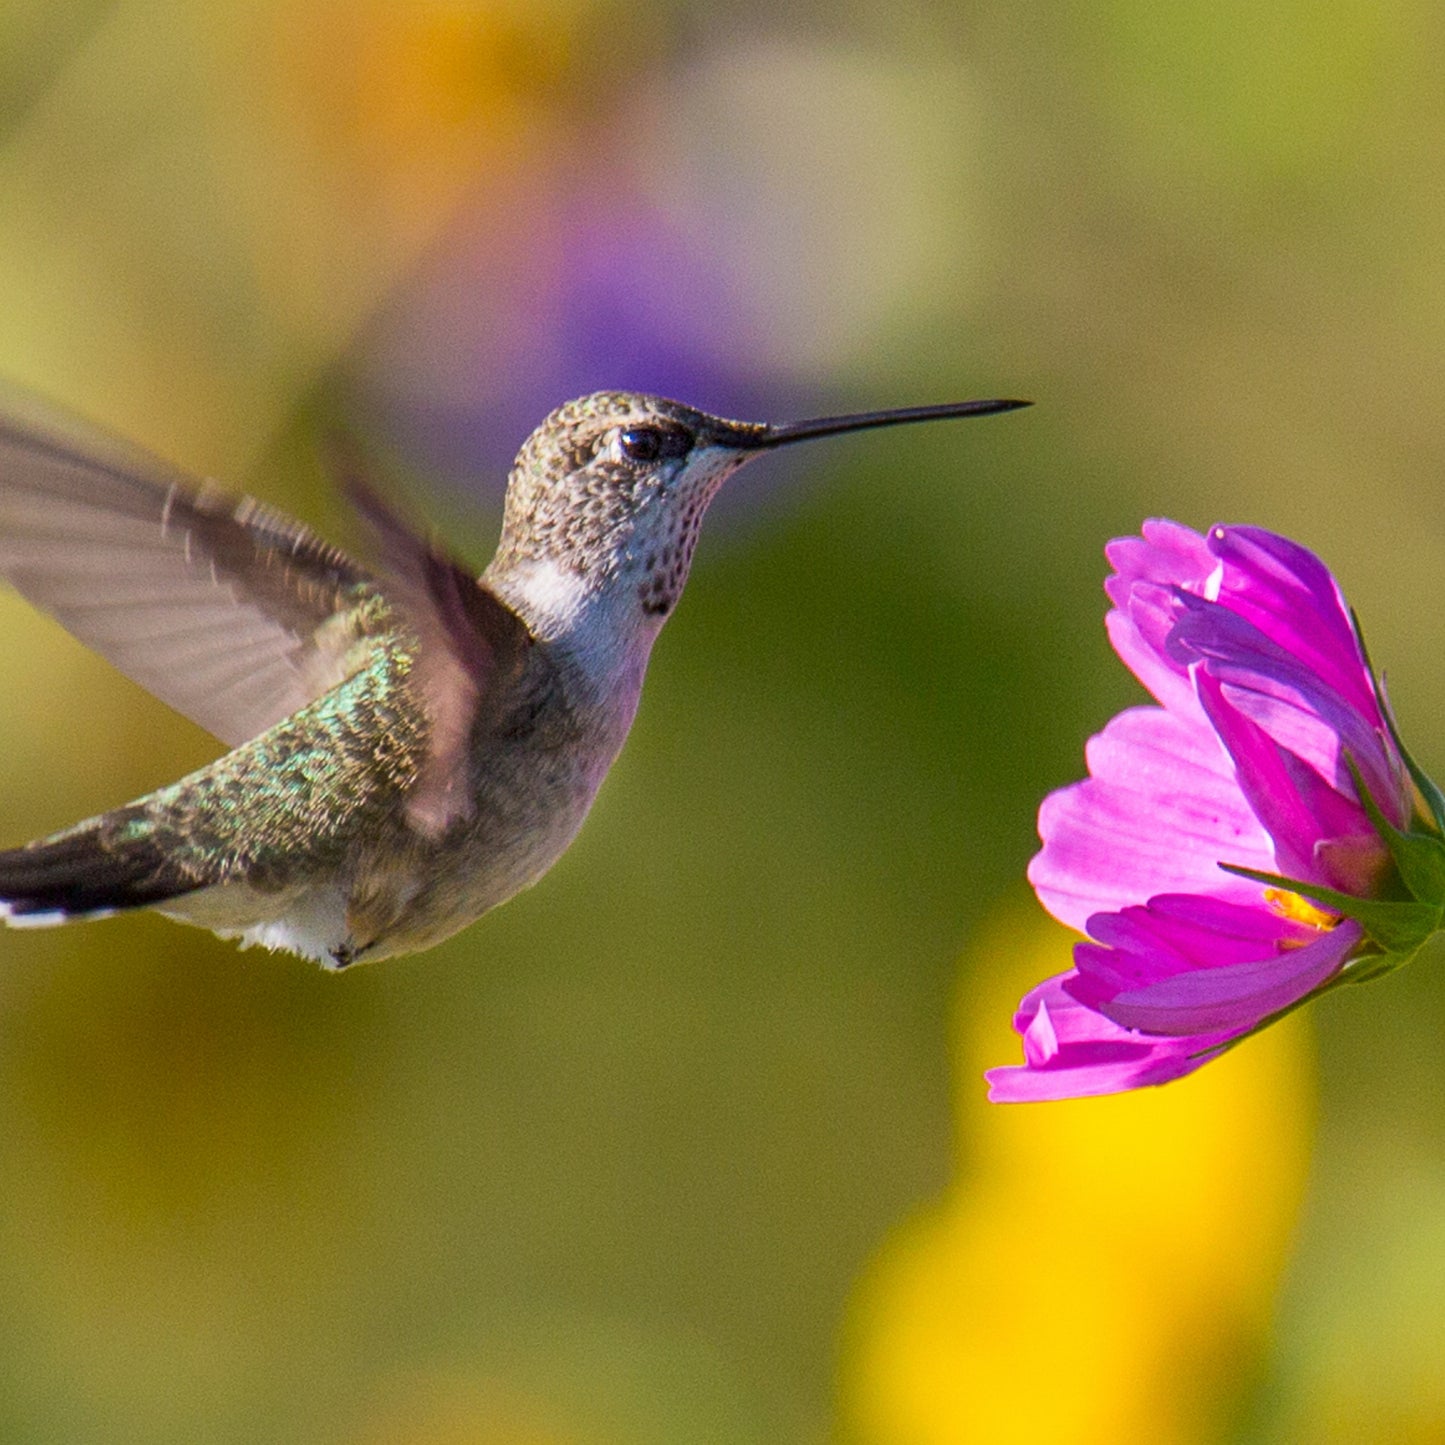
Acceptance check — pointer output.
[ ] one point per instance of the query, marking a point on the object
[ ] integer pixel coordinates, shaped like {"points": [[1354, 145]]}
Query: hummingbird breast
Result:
{"points": [[538, 756]]}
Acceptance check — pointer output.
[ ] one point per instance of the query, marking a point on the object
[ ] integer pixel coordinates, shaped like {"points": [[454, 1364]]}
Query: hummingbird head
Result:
{"points": [[611, 490], [606, 497]]}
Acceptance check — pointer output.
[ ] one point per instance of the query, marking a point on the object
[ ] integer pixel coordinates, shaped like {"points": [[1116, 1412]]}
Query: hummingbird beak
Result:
{"points": [[785, 433]]}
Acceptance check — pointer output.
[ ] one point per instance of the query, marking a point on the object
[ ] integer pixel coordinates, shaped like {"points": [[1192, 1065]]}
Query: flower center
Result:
{"points": [[1301, 910]]}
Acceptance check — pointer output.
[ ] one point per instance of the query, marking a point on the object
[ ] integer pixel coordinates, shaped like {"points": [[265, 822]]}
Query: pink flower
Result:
{"points": [[1237, 848]]}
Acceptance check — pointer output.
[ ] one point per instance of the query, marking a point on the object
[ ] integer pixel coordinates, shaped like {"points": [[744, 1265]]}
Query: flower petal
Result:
{"points": [[1148, 573], [1286, 592], [1296, 707], [1177, 932], [1294, 805], [1188, 966], [1072, 1052], [1158, 814]]}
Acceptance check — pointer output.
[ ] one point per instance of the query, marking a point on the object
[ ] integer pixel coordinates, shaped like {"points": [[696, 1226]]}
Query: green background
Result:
{"points": [[610, 1164]]}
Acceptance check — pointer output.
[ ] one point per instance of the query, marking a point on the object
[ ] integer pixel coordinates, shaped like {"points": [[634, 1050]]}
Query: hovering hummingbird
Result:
{"points": [[412, 745]]}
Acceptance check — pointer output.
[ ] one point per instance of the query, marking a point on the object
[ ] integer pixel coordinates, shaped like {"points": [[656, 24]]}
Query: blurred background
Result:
{"points": [[689, 1143]]}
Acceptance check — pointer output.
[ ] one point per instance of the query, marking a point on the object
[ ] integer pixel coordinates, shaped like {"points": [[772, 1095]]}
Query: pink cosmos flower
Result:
{"points": [[1259, 836]]}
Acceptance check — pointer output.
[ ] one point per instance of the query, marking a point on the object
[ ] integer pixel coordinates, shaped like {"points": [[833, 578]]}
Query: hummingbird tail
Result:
{"points": [[97, 868]]}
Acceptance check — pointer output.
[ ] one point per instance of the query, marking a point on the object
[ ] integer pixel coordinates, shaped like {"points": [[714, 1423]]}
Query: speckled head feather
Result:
{"points": [[576, 497]]}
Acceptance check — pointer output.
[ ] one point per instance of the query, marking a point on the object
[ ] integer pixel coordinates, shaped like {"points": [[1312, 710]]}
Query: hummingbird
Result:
{"points": [[411, 744]]}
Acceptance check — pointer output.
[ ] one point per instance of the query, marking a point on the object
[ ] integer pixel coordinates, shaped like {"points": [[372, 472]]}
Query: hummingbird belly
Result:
{"points": [[397, 901]]}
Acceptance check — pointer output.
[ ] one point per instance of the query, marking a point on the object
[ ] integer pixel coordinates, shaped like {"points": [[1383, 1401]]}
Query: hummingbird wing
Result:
{"points": [[470, 645], [216, 604]]}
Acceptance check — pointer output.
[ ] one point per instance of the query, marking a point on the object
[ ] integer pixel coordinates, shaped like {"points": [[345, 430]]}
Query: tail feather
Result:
{"points": [[94, 869]]}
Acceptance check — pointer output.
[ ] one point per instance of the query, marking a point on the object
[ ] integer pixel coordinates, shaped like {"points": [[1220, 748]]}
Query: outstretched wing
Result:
{"points": [[220, 606]]}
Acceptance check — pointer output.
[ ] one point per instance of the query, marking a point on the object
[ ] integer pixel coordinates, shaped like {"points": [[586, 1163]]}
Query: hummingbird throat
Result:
{"points": [[662, 554]]}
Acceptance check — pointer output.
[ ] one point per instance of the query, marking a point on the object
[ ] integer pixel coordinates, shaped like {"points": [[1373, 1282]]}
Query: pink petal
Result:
{"points": [[1148, 571], [1294, 805], [1137, 635], [1159, 813], [1178, 932], [1293, 704], [1285, 591], [1167, 552], [1073, 1052], [1232, 996]]}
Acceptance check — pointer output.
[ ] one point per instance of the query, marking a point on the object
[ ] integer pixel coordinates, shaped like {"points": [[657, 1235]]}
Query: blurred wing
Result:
{"points": [[470, 646], [217, 605]]}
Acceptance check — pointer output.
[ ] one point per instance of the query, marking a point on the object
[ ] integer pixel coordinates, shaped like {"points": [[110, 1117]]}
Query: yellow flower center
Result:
{"points": [[1299, 908]]}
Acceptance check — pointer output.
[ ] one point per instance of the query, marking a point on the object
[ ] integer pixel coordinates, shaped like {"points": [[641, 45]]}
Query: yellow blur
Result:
{"points": [[1102, 1270]]}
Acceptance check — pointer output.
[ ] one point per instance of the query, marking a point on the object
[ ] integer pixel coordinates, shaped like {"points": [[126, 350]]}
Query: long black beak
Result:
{"points": [[785, 433]]}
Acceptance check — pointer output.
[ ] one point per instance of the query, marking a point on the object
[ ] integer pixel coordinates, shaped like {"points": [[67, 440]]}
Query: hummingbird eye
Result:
{"points": [[653, 443]]}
